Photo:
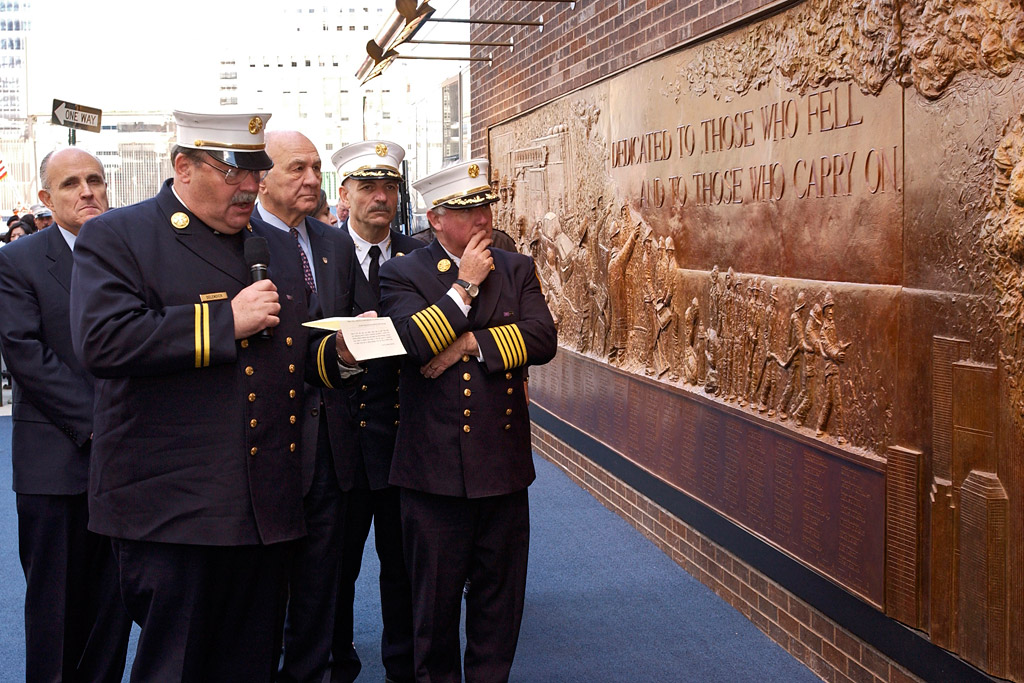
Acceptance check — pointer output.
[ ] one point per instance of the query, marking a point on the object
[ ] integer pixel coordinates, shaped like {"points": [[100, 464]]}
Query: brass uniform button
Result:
{"points": [[508, 411], [291, 368], [291, 394], [253, 450], [253, 422], [245, 343], [288, 341], [465, 359], [252, 398], [362, 423], [466, 412], [396, 423], [363, 388], [314, 412], [397, 406], [465, 428], [508, 427], [291, 447], [509, 391], [292, 419], [508, 375], [398, 371], [362, 406], [467, 392], [249, 370], [466, 376]]}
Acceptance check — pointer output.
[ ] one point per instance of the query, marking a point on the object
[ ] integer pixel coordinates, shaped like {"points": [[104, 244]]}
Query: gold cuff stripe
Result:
{"points": [[321, 364], [427, 328], [447, 333], [199, 336], [202, 332], [206, 335], [499, 339], [435, 328], [511, 345], [518, 353]]}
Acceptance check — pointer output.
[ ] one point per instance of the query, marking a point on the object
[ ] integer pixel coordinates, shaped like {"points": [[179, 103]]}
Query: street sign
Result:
{"points": [[76, 116]]}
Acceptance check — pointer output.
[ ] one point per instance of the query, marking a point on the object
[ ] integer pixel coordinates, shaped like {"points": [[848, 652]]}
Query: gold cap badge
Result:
{"points": [[255, 125], [179, 220], [381, 149], [474, 170], [443, 265]]}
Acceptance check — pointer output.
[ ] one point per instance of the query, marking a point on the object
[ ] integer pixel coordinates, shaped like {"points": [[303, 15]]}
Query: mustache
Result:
{"points": [[243, 198], [379, 207]]}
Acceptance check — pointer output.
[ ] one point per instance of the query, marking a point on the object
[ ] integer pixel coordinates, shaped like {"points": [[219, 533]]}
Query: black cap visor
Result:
{"points": [[250, 161]]}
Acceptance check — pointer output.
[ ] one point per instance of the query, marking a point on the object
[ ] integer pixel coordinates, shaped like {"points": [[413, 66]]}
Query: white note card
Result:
{"points": [[367, 338]]}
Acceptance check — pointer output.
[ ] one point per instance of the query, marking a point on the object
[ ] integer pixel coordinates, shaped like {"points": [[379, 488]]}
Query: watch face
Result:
{"points": [[473, 291]]}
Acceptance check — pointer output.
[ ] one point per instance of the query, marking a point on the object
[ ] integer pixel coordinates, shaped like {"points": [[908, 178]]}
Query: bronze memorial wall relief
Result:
{"points": [[788, 266]]}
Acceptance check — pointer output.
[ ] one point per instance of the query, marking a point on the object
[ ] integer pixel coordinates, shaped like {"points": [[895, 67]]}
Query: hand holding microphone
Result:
{"points": [[255, 308]]}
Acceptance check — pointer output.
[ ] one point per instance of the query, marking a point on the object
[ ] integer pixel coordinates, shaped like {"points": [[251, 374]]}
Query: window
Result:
{"points": [[329, 146]]}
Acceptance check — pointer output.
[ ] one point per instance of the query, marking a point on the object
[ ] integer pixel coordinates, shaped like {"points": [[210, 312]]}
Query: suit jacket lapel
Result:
{"points": [[448, 275], [200, 239], [490, 291], [323, 264], [60, 257]]}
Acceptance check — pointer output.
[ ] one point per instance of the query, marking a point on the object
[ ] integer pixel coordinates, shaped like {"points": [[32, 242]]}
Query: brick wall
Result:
{"points": [[580, 46], [829, 650]]}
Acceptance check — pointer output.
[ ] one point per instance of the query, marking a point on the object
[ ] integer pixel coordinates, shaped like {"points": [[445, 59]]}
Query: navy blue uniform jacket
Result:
{"points": [[467, 432], [373, 401], [52, 392], [197, 435]]}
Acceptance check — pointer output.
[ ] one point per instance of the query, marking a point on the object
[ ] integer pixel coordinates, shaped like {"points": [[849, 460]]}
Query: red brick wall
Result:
{"points": [[828, 649], [580, 46]]}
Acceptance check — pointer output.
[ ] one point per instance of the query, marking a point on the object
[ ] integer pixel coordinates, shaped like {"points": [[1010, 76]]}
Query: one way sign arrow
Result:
{"points": [[76, 116]]}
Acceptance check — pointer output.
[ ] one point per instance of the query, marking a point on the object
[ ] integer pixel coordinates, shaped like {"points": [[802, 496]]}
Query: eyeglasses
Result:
{"points": [[235, 176]]}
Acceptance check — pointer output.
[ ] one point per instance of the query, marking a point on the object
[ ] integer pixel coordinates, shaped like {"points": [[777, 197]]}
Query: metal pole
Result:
{"points": [[483, 43], [451, 59], [498, 22]]}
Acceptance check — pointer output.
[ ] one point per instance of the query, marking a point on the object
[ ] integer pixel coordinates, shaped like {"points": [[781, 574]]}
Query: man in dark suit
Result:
{"points": [[76, 627], [288, 193], [370, 180], [472, 319], [196, 471]]}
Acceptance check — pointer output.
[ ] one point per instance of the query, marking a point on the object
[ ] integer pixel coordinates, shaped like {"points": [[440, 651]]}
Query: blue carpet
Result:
{"points": [[603, 604]]}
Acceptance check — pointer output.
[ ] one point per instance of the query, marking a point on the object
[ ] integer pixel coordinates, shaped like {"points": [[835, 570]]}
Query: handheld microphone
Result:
{"points": [[257, 256]]}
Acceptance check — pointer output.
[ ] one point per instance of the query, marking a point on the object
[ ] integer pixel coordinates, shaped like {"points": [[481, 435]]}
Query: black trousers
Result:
{"points": [[448, 540], [76, 627], [208, 613], [382, 508], [313, 574]]}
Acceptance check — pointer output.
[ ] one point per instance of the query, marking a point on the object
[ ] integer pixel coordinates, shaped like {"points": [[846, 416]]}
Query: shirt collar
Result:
{"points": [[273, 220], [68, 236], [363, 247]]}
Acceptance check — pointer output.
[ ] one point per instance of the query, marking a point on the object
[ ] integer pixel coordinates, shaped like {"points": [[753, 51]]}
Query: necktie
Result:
{"points": [[375, 270], [307, 274]]}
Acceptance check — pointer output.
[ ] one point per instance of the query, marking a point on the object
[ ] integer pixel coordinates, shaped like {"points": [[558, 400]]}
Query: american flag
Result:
{"points": [[3, 170]]}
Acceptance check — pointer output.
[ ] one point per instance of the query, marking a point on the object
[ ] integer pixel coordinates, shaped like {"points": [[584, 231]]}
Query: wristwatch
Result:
{"points": [[472, 290]]}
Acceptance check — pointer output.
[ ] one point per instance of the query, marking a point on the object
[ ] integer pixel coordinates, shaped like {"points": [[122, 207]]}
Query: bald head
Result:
{"points": [[291, 189], [74, 187]]}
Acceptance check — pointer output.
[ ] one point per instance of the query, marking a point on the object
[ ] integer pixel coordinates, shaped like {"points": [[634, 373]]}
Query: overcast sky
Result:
{"points": [[124, 54], [119, 55]]}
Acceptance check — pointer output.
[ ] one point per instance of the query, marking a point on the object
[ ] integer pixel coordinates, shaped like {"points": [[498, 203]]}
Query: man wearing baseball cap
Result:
{"points": [[196, 472], [472, 319]]}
